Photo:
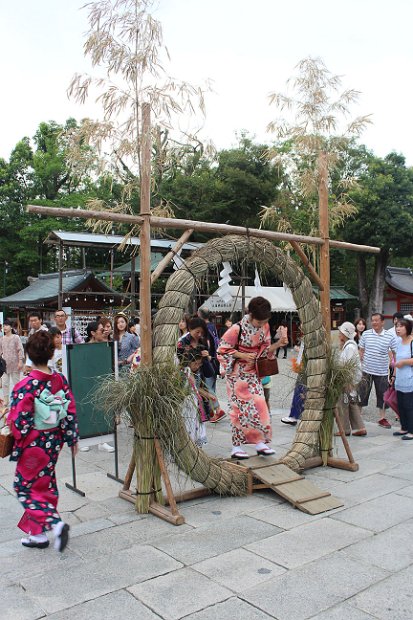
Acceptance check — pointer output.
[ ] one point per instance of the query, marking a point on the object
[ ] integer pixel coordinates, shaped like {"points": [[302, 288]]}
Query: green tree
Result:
{"points": [[232, 187], [39, 173], [384, 198]]}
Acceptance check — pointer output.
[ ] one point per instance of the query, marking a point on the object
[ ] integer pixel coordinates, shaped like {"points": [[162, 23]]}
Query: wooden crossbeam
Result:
{"points": [[206, 227]]}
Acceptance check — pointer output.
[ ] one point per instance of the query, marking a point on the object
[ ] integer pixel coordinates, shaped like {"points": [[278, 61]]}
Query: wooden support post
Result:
{"points": [[133, 284], [168, 257], [60, 291], [325, 248], [112, 256], [343, 437], [307, 263]]}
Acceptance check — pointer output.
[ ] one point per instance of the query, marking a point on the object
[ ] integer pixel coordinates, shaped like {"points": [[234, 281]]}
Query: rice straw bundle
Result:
{"points": [[152, 400]]}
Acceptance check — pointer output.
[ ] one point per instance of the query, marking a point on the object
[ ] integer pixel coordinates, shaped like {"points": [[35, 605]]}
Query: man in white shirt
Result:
{"points": [[374, 346]]}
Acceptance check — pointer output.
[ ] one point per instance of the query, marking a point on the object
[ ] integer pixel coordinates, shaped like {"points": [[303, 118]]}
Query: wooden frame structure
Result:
{"points": [[147, 221]]}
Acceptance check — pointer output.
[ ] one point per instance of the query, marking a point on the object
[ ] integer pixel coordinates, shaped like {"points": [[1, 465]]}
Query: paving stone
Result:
{"points": [[91, 511], [116, 604], [17, 605], [287, 598], [90, 579], [302, 593], [10, 508], [344, 610], [229, 610], [208, 541], [215, 510], [307, 542], [69, 517], [96, 485], [238, 569], [367, 467], [400, 471], [90, 526], [389, 600], [149, 529], [408, 491], [379, 514], [10, 532], [18, 562], [124, 517], [365, 489], [391, 550], [180, 593], [90, 545], [285, 516]]}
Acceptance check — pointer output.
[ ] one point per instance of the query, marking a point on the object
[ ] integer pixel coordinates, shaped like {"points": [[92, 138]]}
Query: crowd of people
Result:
{"points": [[42, 411]]}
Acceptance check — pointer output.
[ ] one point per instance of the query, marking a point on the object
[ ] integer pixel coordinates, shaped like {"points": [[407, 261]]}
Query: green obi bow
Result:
{"points": [[49, 409]]}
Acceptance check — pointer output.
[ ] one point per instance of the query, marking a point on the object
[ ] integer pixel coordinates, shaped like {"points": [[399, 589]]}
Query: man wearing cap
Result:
{"points": [[374, 345], [348, 405]]}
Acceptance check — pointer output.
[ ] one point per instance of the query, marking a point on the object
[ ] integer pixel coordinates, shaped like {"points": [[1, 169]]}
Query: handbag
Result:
{"points": [[267, 367], [6, 440], [3, 366], [390, 398]]}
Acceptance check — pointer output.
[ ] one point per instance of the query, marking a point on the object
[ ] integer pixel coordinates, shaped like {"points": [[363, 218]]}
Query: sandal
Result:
{"points": [[240, 455], [265, 452]]}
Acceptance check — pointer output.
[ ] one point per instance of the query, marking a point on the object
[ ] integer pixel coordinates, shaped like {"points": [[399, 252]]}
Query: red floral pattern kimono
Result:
{"points": [[37, 451], [250, 418]]}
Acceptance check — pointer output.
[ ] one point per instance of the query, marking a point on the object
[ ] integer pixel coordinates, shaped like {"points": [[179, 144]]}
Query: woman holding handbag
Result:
{"points": [[403, 378], [240, 347]]}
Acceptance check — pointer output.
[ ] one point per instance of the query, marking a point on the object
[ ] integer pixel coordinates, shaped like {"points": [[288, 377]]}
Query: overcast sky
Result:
{"points": [[247, 48]]}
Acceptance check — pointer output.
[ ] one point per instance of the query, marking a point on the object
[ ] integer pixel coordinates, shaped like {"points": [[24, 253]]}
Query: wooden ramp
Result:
{"points": [[268, 473]]}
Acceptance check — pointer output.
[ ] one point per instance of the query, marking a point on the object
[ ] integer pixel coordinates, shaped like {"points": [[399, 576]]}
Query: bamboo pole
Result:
{"points": [[145, 456], [207, 227], [325, 248], [307, 263], [168, 257]]}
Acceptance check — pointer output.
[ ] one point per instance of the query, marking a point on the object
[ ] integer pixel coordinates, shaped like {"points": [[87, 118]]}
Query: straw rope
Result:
{"points": [[176, 299]]}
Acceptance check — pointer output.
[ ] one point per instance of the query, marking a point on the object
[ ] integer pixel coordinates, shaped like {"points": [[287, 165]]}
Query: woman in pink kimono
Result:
{"points": [[42, 418], [238, 350]]}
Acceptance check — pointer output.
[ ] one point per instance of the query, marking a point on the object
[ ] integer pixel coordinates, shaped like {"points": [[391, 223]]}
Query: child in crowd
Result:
{"points": [[55, 364], [193, 411]]}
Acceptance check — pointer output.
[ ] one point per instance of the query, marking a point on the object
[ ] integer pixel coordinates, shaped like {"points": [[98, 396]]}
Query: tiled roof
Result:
{"points": [[45, 287], [400, 278]]}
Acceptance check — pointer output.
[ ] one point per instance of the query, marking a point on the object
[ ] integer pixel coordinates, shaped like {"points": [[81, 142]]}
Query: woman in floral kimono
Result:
{"points": [[42, 418], [238, 350]]}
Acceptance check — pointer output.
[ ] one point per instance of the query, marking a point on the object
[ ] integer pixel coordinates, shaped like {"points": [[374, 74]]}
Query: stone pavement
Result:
{"points": [[253, 558]]}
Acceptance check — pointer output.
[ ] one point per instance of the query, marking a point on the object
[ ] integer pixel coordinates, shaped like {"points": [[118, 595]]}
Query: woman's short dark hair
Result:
{"points": [[405, 323], [196, 322], [91, 327], [259, 308], [55, 331], [40, 348]]}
